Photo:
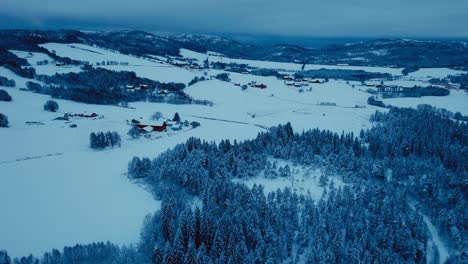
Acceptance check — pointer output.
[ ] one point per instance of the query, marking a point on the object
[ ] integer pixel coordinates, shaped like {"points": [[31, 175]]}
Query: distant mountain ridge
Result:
{"points": [[380, 52]]}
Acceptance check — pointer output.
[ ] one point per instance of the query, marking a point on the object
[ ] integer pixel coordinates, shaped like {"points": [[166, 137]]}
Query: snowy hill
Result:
{"points": [[384, 52]]}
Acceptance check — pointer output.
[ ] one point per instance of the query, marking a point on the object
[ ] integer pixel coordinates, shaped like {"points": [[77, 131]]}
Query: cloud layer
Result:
{"points": [[331, 18]]}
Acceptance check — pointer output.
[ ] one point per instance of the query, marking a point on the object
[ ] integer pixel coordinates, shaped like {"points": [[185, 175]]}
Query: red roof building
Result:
{"points": [[152, 128]]}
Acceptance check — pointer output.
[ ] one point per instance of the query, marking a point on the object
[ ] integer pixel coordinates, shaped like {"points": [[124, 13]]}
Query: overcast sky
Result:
{"points": [[302, 18]]}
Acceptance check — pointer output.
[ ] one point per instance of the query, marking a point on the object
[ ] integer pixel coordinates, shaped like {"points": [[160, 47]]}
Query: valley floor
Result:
{"points": [[56, 191]]}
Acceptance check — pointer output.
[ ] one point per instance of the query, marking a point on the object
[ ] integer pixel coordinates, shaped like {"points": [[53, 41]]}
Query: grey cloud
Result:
{"points": [[367, 18]]}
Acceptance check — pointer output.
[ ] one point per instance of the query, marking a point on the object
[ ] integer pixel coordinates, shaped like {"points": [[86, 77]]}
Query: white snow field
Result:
{"points": [[151, 69], [285, 65], [56, 191], [456, 101], [49, 69]]}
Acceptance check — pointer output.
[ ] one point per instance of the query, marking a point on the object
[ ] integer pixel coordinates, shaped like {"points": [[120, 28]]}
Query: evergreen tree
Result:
{"points": [[51, 106], [4, 96], [4, 258], [157, 256], [134, 132], [3, 120], [156, 116], [176, 117]]}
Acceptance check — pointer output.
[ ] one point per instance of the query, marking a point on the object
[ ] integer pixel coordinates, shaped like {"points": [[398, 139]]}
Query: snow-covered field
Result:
{"points": [[56, 191], [151, 69], [456, 101], [284, 65], [50, 68]]}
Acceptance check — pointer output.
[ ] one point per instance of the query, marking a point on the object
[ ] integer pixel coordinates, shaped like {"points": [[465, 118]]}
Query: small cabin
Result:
{"points": [[177, 127], [314, 81], [170, 123]]}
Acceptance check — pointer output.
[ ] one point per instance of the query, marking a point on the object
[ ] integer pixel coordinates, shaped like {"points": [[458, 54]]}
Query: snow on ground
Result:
{"points": [[141, 66], [456, 101], [159, 72], [436, 241], [32, 57], [59, 192], [280, 104], [406, 82], [435, 246], [20, 81], [285, 65], [50, 69], [55, 178], [92, 54], [303, 180], [422, 74], [429, 73]]}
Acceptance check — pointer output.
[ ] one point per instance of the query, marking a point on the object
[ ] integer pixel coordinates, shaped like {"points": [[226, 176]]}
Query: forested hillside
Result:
{"points": [[382, 52]]}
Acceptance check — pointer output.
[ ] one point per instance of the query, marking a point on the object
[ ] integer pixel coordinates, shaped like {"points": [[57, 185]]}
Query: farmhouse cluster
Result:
{"points": [[160, 124], [295, 82]]}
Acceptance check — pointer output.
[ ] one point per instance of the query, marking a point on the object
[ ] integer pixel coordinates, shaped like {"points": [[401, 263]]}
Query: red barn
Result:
{"points": [[159, 128], [152, 128], [260, 86]]}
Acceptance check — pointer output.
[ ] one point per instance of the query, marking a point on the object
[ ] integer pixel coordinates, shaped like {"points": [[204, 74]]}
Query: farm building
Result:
{"points": [[93, 115], [177, 127], [170, 123], [254, 84], [315, 81], [152, 128]]}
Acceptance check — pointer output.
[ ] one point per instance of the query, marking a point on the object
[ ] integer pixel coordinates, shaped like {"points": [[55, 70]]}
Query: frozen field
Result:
{"points": [[456, 101], [54, 187], [151, 69], [285, 65]]}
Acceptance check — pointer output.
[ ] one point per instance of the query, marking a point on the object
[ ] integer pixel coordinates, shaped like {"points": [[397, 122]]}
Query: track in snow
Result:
{"points": [[434, 239], [31, 158], [230, 121]]}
